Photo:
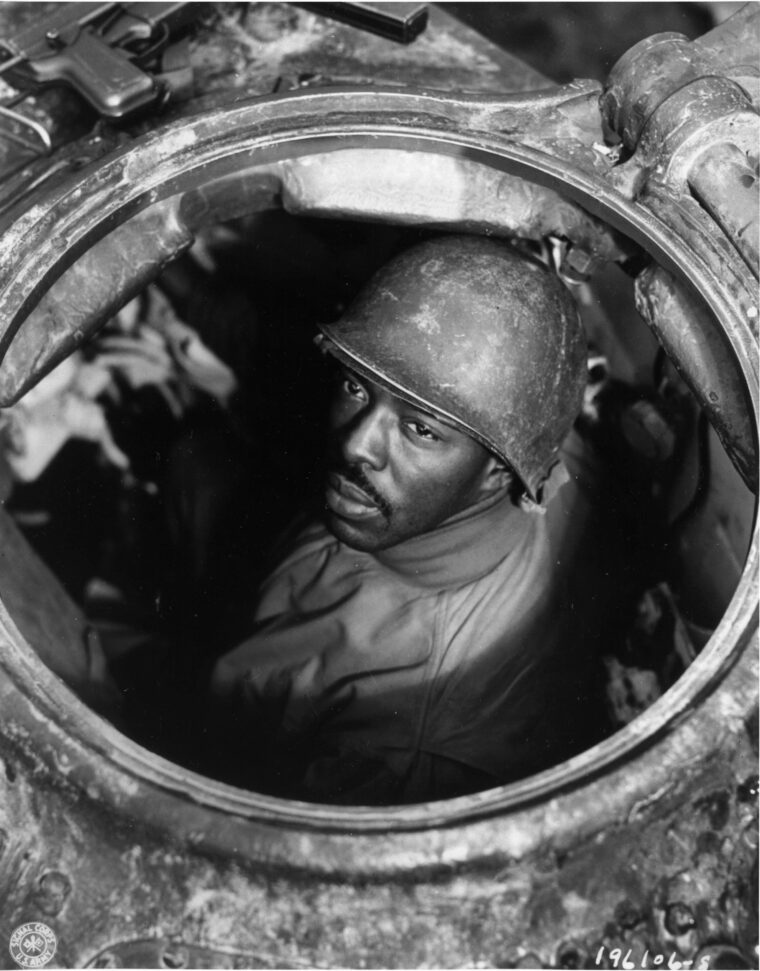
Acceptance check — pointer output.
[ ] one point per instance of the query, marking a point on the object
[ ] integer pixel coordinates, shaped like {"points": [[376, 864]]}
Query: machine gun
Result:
{"points": [[108, 53], [111, 53]]}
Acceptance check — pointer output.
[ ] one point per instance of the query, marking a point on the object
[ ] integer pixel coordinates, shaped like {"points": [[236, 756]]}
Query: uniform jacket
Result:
{"points": [[435, 668]]}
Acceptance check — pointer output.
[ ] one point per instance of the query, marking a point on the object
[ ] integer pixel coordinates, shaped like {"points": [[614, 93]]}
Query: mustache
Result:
{"points": [[356, 475]]}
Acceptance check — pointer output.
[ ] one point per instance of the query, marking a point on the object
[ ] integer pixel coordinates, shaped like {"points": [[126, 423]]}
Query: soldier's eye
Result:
{"points": [[422, 431], [352, 388]]}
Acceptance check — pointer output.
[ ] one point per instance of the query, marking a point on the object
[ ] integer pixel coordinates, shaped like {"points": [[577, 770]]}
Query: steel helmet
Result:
{"points": [[471, 330]]}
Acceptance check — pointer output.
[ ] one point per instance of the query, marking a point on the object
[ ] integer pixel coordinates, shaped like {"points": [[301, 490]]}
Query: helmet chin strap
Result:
{"points": [[557, 477]]}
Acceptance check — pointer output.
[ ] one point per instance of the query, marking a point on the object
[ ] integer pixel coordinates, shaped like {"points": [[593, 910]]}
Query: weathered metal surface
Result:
{"points": [[733, 45], [105, 278], [446, 192], [677, 108], [204, 866], [671, 101], [267, 47], [261, 48], [48, 619], [213, 145], [692, 339], [647, 841], [694, 134], [405, 187], [735, 211]]}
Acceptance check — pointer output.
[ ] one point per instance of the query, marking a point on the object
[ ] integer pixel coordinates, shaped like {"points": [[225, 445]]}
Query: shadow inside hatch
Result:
{"points": [[192, 436]]}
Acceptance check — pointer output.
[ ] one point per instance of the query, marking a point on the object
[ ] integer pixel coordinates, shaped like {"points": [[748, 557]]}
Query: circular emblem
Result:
{"points": [[32, 945]]}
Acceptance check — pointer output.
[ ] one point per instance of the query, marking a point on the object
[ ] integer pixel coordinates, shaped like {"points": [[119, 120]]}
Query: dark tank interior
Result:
{"points": [[153, 514]]}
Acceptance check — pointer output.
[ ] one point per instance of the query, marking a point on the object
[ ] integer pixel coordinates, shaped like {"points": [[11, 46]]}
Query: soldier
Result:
{"points": [[422, 640]]}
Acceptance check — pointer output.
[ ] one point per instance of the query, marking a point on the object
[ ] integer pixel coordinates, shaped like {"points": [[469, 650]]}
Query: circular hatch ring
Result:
{"points": [[185, 154]]}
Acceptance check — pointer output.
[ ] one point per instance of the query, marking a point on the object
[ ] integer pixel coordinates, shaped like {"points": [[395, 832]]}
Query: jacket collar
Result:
{"points": [[464, 547]]}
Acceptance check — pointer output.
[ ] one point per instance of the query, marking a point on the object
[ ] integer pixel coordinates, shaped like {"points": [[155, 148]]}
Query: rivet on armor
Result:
{"points": [[106, 960], [529, 960], [174, 956], [571, 955], [628, 915], [52, 890], [679, 919], [747, 790]]}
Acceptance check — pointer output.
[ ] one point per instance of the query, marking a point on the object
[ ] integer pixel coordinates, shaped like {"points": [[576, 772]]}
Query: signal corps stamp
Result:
{"points": [[32, 945]]}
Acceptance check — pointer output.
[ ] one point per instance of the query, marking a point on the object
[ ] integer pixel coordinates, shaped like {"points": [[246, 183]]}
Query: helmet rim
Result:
{"points": [[330, 344]]}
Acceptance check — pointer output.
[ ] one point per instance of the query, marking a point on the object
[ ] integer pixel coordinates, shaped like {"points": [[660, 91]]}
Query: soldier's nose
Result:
{"points": [[366, 439]]}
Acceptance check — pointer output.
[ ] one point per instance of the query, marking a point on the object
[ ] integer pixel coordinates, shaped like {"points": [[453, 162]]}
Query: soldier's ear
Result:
{"points": [[497, 476]]}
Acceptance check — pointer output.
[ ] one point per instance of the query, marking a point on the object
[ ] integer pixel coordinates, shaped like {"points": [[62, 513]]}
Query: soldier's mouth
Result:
{"points": [[349, 500]]}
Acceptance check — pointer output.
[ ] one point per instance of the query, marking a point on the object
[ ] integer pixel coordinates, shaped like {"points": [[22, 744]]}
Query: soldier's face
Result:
{"points": [[397, 471]]}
